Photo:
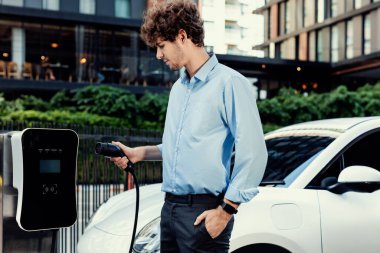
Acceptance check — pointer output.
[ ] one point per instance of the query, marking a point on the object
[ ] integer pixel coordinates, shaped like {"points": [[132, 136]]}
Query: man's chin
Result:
{"points": [[174, 67]]}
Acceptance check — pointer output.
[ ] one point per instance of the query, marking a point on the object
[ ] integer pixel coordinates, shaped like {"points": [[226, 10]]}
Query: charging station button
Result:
{"points": [[49, 189]]}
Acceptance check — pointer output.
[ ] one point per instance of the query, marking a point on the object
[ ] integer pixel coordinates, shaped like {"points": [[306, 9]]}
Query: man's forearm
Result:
{"points": [[148, 153]]}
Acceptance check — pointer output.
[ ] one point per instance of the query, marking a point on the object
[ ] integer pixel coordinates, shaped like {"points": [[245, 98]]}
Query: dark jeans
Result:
{"points": [[178, 233]]}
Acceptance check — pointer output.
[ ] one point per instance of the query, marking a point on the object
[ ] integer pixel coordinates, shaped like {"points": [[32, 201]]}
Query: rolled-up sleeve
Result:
{"points": [[159, 146], [245, 125]]}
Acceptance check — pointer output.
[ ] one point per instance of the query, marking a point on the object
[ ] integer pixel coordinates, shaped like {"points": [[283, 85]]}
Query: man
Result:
{"points": [[211, 110]]}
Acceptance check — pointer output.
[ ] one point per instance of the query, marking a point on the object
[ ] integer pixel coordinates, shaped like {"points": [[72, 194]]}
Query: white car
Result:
{"points": [[320, 193]]}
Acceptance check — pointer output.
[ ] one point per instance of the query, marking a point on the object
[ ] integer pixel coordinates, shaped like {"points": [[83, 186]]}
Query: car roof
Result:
{"points": [[337, 125]]}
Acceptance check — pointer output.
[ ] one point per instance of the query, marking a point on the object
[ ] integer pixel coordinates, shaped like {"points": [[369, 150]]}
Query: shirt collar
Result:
{"points": [[203, 72]]}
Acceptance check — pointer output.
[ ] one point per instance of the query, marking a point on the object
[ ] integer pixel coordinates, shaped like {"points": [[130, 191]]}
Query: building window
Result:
{"points": [[288, 49], [308, 11], [18, 3], [273, 50], [319, 46], [33, 4], [334, 44], [55, 45], [357, 4], [320, 10], [209, 49], [334, 8], [305, 13], [244, 9], [87, 6], [42, 4], [122, 8], [233, 49], [367, 34], [349, 40], [50, 5], [6, 40], [209, 26], [287, 17], [244, 33]]}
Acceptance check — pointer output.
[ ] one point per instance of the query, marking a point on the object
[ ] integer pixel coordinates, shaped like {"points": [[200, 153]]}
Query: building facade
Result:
{"points": [[50, 45], [342, 33], [55, 43]]}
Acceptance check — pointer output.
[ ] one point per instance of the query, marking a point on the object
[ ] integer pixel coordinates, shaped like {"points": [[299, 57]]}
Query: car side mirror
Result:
{"points": [[357, 178], [359, 174]]}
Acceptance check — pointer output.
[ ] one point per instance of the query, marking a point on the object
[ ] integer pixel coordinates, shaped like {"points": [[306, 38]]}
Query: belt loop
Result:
{"points": [[189, 199]]}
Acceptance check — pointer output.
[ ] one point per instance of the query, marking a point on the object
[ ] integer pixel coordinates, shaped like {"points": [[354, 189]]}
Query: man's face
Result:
{"points": [[171, 53]]}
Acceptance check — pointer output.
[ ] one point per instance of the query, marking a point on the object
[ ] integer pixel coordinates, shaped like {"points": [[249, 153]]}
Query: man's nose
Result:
{"points": [[159, 54]]}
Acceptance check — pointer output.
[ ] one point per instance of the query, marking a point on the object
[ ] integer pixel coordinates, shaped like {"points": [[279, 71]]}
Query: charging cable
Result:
{"points": [[111, 150]]}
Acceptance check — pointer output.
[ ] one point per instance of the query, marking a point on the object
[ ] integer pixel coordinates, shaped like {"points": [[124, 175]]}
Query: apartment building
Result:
{"points": [[231, 28], [342, 33]]}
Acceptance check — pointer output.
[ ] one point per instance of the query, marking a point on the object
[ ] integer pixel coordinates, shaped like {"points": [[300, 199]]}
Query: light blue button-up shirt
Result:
{"points": [[206, 116]]}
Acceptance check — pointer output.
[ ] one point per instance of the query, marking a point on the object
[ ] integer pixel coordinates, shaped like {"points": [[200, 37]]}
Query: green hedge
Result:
{"points": [[109, 106], [62, 117], [289, 107]]}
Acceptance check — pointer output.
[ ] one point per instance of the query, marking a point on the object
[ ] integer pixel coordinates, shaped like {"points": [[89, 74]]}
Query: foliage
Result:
{"points": [[63, 99], [110, 106], [342, 103], [370, 95], [152, 111], [9, 106], [289, 107], [29, 102], [106, 100], [58, 116]]}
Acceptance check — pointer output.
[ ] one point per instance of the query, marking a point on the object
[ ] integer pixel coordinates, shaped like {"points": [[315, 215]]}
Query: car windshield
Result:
{"points": [[288, 156]]}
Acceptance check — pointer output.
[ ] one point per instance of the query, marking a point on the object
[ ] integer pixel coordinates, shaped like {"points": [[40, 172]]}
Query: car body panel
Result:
{"points": [[358, 216], [279, 216]]}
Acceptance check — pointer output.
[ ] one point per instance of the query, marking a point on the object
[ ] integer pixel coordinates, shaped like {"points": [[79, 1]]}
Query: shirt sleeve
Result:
{"points": [[245, 125], [159, 146]]}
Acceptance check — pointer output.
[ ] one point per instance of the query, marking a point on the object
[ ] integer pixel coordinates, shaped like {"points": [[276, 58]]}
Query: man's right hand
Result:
{"points": [[122, 162]]}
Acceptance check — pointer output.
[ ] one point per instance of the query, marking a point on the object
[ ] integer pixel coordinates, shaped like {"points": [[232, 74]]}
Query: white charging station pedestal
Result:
{"points": [[38, 187]]}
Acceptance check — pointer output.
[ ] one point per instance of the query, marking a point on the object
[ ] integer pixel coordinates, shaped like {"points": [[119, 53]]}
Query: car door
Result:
{"points": [[350, 222]]}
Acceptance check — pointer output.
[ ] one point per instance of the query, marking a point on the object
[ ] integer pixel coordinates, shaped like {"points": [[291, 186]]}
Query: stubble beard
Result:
{"points": [[178, 59]]}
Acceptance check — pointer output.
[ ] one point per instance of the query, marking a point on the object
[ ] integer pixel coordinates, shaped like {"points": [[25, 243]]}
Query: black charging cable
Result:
{"points": [[111, 150]]}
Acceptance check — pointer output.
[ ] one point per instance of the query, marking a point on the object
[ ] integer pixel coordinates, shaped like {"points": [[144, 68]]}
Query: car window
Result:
{"points": [[362, 151], [291, 154]]}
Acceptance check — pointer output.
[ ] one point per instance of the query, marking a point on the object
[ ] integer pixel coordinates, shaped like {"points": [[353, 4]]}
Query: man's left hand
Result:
{"points": [[215, 221]]}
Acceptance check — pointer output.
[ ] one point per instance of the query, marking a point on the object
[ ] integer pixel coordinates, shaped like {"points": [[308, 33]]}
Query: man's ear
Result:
{"points": [[182, 35]]}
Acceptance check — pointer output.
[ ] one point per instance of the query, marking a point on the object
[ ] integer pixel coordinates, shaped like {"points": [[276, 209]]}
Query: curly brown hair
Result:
{"points": [[165, 20]]}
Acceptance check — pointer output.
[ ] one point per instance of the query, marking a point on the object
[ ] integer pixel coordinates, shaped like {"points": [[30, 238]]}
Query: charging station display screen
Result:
{"points": [[50, 166]]}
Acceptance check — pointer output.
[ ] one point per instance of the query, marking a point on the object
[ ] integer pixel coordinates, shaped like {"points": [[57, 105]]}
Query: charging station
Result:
{"points": [[37, 187]]}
